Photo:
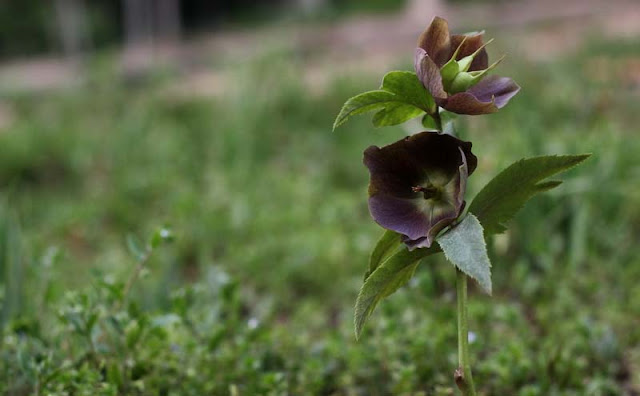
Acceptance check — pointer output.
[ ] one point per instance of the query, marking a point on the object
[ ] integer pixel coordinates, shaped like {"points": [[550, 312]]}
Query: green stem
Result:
{"points": [[142, 261], [437, 119], [462, 376]]}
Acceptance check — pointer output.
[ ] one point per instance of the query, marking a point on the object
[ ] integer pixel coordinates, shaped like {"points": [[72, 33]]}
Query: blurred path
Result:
{"points": [[544, 28]]}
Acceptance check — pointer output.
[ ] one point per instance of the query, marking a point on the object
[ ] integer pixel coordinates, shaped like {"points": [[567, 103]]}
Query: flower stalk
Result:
{"points": [[462, 375]]}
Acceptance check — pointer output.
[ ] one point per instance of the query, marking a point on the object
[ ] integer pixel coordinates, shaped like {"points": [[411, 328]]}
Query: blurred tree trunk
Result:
{"points": [[138, 22], [72, 26], [167, 19], [138, 37], [309, 6]]}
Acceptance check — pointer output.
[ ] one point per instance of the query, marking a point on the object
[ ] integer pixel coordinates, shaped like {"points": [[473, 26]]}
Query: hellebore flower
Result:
{"points": [[453, 69], [418, 183]]}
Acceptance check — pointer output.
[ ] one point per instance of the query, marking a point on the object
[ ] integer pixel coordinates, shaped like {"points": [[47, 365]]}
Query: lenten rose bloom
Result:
{"points": [[417, 184], [453, 69]]}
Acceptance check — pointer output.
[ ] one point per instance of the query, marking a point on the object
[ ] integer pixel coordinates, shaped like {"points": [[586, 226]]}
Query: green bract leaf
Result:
{"points": [[401, 97], [464, 247], [388, 244], [503, 196], [446, 118], [429, 123], [393, 273]]}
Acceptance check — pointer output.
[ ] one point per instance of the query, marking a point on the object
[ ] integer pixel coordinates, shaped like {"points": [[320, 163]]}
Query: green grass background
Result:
{"points": [[272, 233]]}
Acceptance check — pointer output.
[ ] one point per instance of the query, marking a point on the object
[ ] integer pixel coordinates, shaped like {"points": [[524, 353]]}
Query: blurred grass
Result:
{"points": [[269, 208]]}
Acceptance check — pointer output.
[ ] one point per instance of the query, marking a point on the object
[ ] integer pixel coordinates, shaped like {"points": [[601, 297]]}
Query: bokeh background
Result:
{"points": [[214, 119]]}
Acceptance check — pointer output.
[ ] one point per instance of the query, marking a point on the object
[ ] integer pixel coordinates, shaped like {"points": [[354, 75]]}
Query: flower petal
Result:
{"points": [[487, 96], [429, 74], [428, 157], [466, 103], [436, 41], [393, 171], [463, 174], [441, 217], [400, 215], [471, 45], [498, 89], [437, 219]]}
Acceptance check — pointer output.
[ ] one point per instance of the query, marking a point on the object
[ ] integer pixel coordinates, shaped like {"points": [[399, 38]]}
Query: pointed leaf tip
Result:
{"points": [[394, 272], [507, 193]]}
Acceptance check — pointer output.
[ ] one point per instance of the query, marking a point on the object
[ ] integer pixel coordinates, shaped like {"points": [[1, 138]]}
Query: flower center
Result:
{"points": [[428, 192]]}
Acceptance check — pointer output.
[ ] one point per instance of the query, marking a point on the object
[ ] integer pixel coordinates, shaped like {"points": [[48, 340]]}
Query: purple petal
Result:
{"points": [[392, 170], [406, 217], [436, 41], [399, 215], [396, 169], [412, 244], [458, 185], [495, 88], [487, 96], [429, 74]]}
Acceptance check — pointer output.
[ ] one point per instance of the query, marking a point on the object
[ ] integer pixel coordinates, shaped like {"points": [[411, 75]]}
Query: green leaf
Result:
{"points": [[446, 118], [388, 244], [503, 196], [400, 98], [135, 247], [429, 123], [363, 103], [395, 113], [160, 236], [409, 88], [464, 247], [394, 272]]}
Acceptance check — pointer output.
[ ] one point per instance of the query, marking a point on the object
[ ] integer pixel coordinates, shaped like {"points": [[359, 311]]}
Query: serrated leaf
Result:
{"points": [[400, 98], [388, 243], [503, 196], [464, 247], [393, 273]]}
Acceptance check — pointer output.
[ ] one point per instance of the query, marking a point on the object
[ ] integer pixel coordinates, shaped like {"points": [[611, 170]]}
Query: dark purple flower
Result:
{"points": [[453, 68], [418, 183]]}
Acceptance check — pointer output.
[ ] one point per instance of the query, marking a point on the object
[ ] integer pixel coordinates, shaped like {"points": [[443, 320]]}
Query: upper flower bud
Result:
{"points": [[418, 184], [453, 68]]}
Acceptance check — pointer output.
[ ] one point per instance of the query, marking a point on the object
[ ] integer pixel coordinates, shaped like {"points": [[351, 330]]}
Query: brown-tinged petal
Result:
{"points": [[487, 96], [469, 46], [436, 41], [466, 103], [429, 74]]}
